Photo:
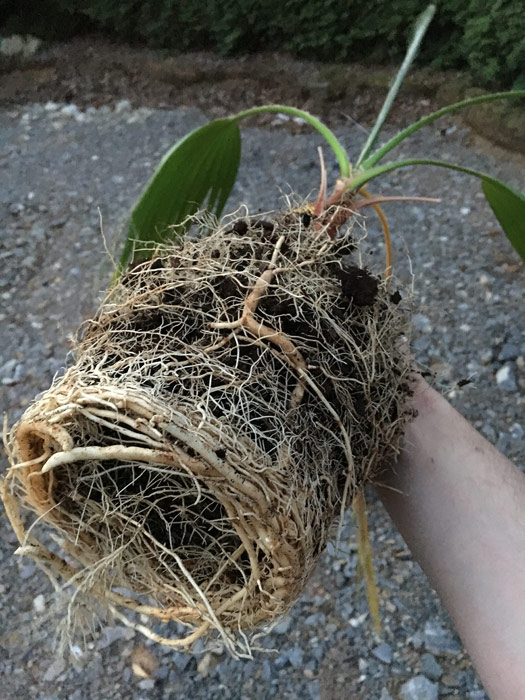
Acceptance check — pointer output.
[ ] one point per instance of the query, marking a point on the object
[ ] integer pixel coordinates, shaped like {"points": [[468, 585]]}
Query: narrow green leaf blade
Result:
{"points": [[420, 29], [428, 118], [201, 167], [508, 206], [507, 203], [326, 133]]}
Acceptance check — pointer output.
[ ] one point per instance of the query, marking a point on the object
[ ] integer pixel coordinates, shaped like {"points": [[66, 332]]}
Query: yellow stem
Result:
{"points": [[386, 232], [365, 558]]}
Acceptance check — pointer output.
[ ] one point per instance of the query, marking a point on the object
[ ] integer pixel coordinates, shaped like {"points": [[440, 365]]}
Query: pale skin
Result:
{"points": [[460, 506]]}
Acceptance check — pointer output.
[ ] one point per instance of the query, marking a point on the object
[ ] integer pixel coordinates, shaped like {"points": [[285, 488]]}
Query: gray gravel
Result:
{"points": [[62, 172]]}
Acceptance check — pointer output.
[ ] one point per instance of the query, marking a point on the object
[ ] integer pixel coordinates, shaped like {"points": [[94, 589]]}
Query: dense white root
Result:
{"points": [[227, 401]]}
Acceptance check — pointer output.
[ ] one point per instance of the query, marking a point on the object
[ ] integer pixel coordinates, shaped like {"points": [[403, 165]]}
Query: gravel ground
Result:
{"points": [[63, 171]]}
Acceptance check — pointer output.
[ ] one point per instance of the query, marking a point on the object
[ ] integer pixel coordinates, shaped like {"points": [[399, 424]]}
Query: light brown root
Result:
{"points": [[227, 402]]}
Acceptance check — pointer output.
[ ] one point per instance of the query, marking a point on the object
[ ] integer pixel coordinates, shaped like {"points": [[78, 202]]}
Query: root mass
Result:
{"points": [[226, 403]]}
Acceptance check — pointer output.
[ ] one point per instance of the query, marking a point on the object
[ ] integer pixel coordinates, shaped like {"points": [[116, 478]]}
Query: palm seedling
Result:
{"points": [[232, 396]]}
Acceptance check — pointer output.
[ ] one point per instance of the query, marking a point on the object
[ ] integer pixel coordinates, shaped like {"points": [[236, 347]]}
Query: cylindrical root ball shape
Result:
{"points": [[226, 402]]}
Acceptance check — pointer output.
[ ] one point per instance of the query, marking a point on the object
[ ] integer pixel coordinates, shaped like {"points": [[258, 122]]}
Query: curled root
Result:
{"points": [[228, 400]]}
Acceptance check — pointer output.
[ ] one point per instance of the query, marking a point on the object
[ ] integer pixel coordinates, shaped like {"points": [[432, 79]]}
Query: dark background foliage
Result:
{"points": [[485, 38]]}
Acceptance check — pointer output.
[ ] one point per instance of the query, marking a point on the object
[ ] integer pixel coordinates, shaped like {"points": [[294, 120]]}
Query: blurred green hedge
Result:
{"points": [[485, 38]]}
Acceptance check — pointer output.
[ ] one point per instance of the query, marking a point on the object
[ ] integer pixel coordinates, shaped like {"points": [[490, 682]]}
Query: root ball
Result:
{"points": [[226, 403]]}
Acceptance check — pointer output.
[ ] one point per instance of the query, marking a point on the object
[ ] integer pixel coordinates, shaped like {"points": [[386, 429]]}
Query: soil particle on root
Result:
{"points": [[358, 284]]}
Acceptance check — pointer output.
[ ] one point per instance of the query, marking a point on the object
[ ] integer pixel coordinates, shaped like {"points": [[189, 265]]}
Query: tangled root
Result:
{"points": [[227, 402]]}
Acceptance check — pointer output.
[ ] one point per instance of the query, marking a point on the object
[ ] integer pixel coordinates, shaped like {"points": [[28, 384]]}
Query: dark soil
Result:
{"points": [[358, 285]]}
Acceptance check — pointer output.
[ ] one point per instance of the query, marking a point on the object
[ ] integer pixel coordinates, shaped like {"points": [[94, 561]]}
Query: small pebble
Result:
{"points": [[295, 657], [489, 432], [485, 280], [438, 640], [122, 106], [506, 378], [509, 351], [385, 695], [147, 684], [16, 209], [283, 626], [314, 690], [55, 669], [113, 634], [430, 667], [27, 571], [450, 681], [69, 111], [58, 222], [8, 368], [362, 665], [39, 603], [181, 660], [266, 673], [422, 323], [485, 356], [383, 652], [315, 620], [419, 688]]}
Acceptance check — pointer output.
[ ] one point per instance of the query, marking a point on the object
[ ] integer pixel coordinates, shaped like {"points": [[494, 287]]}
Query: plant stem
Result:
{"points": [[386, 232], [329, 136]]}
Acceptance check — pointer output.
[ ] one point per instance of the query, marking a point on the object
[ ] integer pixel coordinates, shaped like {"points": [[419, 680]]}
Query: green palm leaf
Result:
{"points": [[200, 170], [507, 203], [508, 206]]}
